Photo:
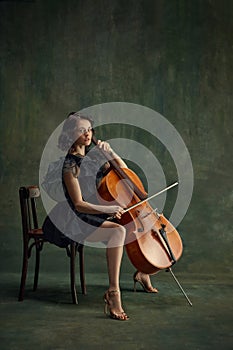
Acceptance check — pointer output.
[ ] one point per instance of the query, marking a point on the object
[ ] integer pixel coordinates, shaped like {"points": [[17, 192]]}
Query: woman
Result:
{"points": [[82, 171]]}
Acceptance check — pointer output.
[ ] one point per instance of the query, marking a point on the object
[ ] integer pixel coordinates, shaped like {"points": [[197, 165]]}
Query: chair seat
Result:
{"points": [[36, 232]]}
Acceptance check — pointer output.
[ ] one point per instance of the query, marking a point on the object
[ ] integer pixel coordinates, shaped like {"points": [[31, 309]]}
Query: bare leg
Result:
{"points": [[114, 257], [114, 234]]}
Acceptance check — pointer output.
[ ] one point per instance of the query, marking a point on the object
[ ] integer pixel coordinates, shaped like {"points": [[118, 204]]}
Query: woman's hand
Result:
{"points": [[115, 210], [104, 146]]}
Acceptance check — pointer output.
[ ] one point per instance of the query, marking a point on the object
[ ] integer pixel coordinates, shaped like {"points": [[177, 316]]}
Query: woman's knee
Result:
{"points": [[118, 236]]}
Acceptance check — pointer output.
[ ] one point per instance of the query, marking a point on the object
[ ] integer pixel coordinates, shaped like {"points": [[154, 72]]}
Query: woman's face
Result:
{"points": [[83, 132]]}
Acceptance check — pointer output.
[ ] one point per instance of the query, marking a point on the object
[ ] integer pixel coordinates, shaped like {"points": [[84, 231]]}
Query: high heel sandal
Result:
{"points": [[121, 316], [147, 288]]}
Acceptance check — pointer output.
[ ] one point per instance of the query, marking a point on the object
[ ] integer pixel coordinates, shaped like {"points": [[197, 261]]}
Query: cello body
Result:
{"points": [[152, 243]]}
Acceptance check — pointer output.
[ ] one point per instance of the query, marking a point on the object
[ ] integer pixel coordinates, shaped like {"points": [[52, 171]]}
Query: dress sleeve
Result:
{"points": [[70, 166]]}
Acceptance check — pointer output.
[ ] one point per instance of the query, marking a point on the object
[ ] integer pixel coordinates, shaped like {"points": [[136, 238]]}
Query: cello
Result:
{"points": [[152, 242]]}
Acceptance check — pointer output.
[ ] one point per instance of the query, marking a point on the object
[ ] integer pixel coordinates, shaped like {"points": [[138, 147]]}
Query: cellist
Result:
{"points": [[79, 184]]}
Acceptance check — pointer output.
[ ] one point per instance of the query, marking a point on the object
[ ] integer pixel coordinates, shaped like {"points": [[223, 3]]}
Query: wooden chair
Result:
{"points": [[33, 236]]}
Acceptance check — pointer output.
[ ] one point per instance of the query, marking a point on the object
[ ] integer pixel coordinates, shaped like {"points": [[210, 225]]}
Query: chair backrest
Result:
{"points": [[27, 196]]}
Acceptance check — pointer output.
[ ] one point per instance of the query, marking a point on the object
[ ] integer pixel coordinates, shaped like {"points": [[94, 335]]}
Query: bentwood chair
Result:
{"points": [[33, 237]]}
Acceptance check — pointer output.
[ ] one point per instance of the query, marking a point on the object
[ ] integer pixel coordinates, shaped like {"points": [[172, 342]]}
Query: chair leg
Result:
{"points": [[72, 272], [24, 273], [81, 269], [37, 268]]}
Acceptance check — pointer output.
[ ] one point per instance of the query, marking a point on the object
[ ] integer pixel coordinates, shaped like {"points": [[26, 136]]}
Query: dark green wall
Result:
{"points": [[174, 56]]}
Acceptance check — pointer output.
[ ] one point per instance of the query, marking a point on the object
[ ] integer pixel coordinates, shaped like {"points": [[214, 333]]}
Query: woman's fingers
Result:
{"points": [[116, 211], [119, 213], [104, 145]]}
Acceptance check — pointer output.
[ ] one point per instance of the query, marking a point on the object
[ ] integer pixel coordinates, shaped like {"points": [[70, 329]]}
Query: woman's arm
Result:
{"points": [[74, 190], [118, 159]]}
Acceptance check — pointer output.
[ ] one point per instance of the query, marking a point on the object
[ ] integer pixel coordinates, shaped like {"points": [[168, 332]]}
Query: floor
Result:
{"points": [[47, 319]]}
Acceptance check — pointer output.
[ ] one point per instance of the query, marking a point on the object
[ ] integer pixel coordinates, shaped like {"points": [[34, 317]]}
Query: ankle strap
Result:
{"points": [[113, 291]]}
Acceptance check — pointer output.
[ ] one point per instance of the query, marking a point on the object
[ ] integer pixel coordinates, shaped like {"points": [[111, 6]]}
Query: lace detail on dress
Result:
{"points": [[70, 166]]}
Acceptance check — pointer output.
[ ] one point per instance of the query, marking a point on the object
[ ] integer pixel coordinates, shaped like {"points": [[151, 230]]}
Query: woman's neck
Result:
{"points": [[79, 150]]}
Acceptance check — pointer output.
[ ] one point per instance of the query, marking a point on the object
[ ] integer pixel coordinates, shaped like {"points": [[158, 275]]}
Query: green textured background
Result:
{"points": [[175, 57]]}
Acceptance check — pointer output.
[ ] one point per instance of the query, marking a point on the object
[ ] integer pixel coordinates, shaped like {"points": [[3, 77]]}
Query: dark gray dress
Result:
{"points": [[64, 223]]}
